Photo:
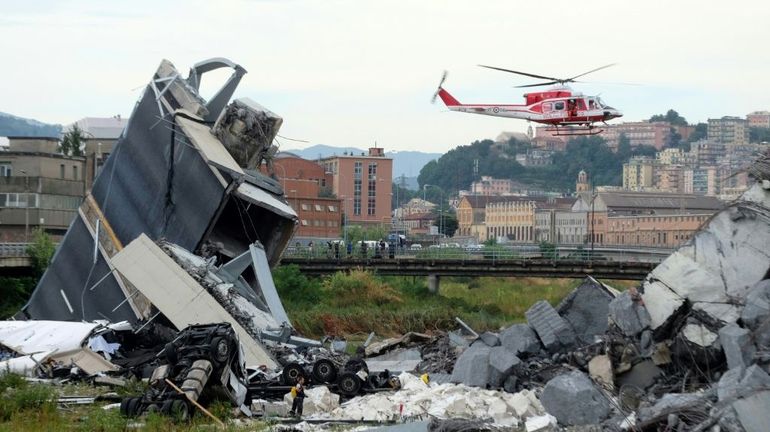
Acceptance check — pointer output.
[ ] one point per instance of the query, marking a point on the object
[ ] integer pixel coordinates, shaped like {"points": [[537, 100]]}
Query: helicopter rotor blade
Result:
{"points": [[521, 73], [539, 85], [591, 71]]}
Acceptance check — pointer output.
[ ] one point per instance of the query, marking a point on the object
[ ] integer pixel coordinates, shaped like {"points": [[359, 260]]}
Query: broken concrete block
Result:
{"points": [[501, 362], [472, 367], [738, 382], [520, 339], [543, 423], [266, 408], [738, 346], [573, 400], [629, 314], [490, 339], [753, 412], [525, 404], [699, 335], [641, 375], [661, 303], [757, 308], [600, 369], [554, 331], [586, 309]]}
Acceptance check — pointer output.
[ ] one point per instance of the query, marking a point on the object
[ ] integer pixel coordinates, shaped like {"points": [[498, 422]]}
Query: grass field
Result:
{"points": [[360, 302]]}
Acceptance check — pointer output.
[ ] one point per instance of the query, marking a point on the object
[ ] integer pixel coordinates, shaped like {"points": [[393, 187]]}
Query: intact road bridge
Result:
{"points": [[603, 263]]}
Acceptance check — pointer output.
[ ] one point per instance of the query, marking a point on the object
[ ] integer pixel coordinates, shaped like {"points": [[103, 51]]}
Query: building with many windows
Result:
{"points": [[728, 130], [307, 187], [760, 119], [364, 183], [39, 188]]}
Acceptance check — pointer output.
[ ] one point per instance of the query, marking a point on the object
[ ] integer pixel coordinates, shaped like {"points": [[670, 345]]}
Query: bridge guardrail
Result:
{"points": [[14, 250], [490, 254]]}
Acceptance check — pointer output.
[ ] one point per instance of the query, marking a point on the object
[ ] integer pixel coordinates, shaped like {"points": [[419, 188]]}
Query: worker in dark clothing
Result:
{"points": [[299, 398]]}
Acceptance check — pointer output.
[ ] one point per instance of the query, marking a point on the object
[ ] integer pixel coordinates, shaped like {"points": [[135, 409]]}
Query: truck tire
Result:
{"points": [[292, 372], [349, 384], [324, 371]]}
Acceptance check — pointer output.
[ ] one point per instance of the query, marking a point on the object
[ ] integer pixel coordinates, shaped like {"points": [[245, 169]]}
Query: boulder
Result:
{"points": [[573, 400], [629, 314], [586, 309], [501, 362], [472, 367], [490, 339], [738, 346], [554, 332], [520, 339]]}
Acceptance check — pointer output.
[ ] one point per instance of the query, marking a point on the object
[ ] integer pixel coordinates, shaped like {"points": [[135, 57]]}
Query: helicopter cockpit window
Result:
{"points": [[547, 106], [599, 102], [591, 104], [558, 106]]}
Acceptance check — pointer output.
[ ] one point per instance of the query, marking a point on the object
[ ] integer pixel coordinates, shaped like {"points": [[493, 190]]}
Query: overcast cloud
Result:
{"points": [[349, 73]]}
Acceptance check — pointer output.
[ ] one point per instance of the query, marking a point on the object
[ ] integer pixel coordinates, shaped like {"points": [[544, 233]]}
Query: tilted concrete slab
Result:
{"points": [[178, 296]]}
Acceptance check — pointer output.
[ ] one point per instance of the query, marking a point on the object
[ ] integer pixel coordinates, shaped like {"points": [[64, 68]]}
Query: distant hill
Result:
{"points": [[407, 163], [11, 125]]}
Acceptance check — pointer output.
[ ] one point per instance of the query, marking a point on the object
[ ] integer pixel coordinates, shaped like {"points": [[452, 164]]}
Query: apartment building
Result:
{"points": [[365, 183]]}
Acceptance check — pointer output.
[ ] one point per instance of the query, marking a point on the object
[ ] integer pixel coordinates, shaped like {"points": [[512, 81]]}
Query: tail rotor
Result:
{"points": [[435, 95]]}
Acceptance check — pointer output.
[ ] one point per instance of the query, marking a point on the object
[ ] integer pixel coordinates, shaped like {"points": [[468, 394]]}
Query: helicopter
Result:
{"points": [[566, 112]]}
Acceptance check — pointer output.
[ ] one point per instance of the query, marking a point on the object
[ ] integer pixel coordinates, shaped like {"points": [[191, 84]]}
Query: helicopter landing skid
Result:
{"points": [[573, 131]]}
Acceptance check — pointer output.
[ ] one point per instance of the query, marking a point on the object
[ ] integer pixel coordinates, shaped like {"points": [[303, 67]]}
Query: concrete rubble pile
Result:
{"points": [[686, 350]]}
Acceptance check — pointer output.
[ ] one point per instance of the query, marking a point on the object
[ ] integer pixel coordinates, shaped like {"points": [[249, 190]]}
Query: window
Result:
{"points": [[305, 207], [74, 172], [319, 207], [558, 106], [371, 204], [5, 169], [61, 171], [547, 107], [304, 222], [332, 208]]}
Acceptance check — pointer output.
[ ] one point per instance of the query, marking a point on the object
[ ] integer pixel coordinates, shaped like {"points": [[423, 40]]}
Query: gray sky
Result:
{"points": [[349, 73]]}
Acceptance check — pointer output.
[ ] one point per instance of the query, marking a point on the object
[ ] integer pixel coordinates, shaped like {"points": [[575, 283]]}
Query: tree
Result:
{"points": [[449, 224], [73, 141], [674, 138], [700, 132], [41, 250], [671, 117], [624, 146]]}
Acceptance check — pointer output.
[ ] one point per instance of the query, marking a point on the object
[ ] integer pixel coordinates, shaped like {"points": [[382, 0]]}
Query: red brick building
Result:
{"points": [[308, 189]]}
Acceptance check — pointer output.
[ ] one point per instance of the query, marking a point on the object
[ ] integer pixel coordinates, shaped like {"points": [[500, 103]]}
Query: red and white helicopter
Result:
{"points": [[566, 112]]}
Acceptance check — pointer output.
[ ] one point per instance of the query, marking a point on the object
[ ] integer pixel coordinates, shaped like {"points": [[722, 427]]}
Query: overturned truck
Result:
{"points": [[184, 173]]}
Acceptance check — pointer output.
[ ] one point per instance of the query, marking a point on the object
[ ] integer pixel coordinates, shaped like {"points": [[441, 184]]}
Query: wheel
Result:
{"points": [[349, 384], [324, 371], [177, 409], [292, 372], [124, 407], [355, 365], [133, 407], [220, 350]]}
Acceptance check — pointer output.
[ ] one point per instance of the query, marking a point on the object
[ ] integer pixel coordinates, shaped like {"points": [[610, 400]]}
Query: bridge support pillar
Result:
{"points": [[433, 283]]}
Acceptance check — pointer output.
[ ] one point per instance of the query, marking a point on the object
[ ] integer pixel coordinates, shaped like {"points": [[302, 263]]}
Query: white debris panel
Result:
{"points": [[181, 299]]}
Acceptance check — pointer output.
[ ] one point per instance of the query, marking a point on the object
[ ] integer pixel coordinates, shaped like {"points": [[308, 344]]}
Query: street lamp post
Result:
{"points": [[441, 211]]}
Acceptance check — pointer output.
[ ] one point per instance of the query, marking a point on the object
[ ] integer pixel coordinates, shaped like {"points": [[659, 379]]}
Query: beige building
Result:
{"points": [[491, 186], [638, 173], [728, 130], [471, 215], [514, 219], [39, 188]]}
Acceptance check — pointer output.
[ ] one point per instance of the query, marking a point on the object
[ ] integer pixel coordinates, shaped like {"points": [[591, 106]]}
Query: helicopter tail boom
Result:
{"points": [[447, 98]]}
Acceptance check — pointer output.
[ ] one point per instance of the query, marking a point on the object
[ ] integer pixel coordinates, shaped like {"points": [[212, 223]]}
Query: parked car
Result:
{"points": [[415, 247]]}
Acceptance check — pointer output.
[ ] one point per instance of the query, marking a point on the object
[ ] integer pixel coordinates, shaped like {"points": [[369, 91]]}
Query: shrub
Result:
{"points": [[358, 287]]}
